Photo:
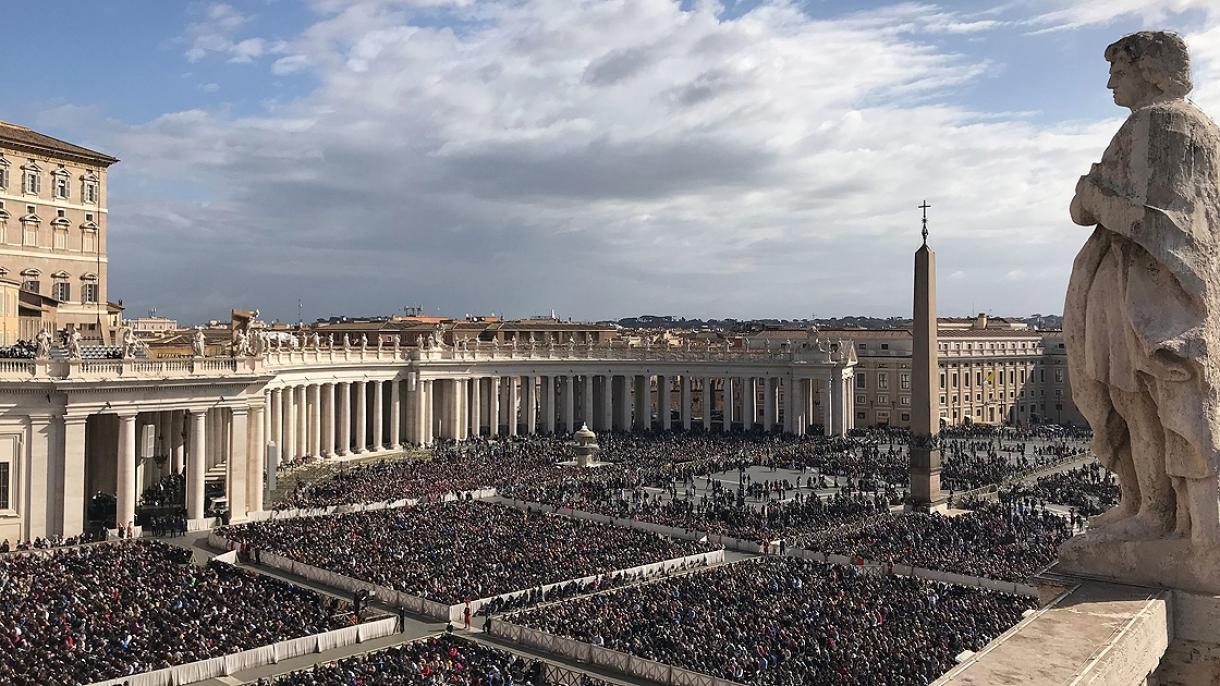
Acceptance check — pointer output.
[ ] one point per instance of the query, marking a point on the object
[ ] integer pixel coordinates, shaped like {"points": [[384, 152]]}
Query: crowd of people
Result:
{"points": [[789, 622], [441, 659], [1004, 541], [53, 541], [452, 552], [93, 613], [1088, 490]]}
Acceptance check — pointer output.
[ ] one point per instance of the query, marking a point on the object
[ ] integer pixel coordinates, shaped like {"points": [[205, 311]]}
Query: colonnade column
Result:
{"points": [[255, 460], [643, 403], [74, 470], [586, 415], [622, 403], [315, 419], [195, 466], [476, 406], [849, 395], [236, 431], [530, 399], [178, 451], [548, 403], [664, 391], [770, 399], [328, 419], [514, 387], [749, 402], [569, 402], [426, 411], [277, 421], [345, 417], [838, 426], [493, 407], [726, 411], [827, 407], [705, 396], [302, 407], [607, 418], [362, 417], [288, 426], [378, 416], [684, 397]]}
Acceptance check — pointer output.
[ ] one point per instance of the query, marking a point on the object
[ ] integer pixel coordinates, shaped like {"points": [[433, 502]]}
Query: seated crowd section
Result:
{"points": [[88, 614], [997, 541], [452, 552], [437, 660], [789, 622]]}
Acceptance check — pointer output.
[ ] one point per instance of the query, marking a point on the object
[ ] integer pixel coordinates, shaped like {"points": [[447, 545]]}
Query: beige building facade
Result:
{"points": [[53, 224], [992, 371]]}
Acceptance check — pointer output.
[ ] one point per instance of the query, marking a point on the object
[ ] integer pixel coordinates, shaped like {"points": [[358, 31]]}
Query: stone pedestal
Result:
{"points": [[1165, 563]]}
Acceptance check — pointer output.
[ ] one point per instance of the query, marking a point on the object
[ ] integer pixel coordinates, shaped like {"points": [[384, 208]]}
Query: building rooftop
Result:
{"points": [[29, 139]]}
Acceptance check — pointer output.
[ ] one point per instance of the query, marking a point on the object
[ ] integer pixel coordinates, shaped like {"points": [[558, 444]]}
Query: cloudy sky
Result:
{"points": [[740, 158]]}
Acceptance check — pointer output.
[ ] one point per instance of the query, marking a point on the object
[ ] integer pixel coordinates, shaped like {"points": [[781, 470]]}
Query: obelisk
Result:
{"points": [[925, 372]]}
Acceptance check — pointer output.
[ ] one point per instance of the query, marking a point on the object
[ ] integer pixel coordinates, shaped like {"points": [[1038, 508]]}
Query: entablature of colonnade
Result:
{"points": [[329, 365]]}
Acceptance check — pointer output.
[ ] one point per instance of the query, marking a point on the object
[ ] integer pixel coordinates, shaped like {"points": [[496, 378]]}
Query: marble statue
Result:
{"points": [[1141, 319], [241, 344], [347, 342], [42, 341], [317, 341], [74, 345], [364, 342], [199, 344], [330, 341]]}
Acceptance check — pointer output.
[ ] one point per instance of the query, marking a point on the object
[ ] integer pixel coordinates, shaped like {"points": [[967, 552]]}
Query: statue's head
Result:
{"points": [[1148, 65]]}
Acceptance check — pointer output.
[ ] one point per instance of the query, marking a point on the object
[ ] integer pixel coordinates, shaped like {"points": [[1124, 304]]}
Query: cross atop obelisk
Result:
{"points": [[925, 207], [925, 374]]}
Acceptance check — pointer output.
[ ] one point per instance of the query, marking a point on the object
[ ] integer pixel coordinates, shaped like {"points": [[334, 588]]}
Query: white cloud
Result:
{"points": [[215, 34], [1071, 14], [604, 159]]}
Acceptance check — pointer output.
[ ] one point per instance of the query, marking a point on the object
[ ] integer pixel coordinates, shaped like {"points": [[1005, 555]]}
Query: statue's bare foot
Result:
{"points": [[1145, 526], [1112, 516]]}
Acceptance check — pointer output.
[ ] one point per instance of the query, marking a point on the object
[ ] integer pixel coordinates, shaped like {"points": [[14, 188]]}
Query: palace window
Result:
{"points": [[88, 188], [29, 234], [942, 380], [885, 346], [1022, 376], [860, 381], [1058, 376], [61, 290], [883, 399], [904, 381], [31, 179], [61, 239], [904, 400], [942, 400], [88, 240], [6, 501], [3, 173], [883, 381], [60, 186], [906, 417], [88, 289], [30, 284], [861, 399]]}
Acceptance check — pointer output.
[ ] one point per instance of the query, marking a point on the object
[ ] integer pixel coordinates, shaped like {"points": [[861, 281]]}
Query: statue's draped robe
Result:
{"points": [[1143, 303]]}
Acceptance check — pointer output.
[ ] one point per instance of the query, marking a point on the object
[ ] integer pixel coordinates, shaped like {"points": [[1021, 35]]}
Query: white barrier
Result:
{"points": [[918, 572], [729, 542], [232, 663], [453, 613], [604, 657], [295, 513]]}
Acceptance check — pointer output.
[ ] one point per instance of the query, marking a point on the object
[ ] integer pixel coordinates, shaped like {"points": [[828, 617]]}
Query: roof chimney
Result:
{"points": [[980, 322]]}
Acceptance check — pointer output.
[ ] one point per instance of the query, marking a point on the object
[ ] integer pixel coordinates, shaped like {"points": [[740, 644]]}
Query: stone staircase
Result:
{"points": [[218, 472]]}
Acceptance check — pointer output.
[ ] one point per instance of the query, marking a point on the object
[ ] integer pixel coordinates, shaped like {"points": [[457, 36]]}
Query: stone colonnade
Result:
{"points": [[322, 419], [457, 408], [221, 442]]}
